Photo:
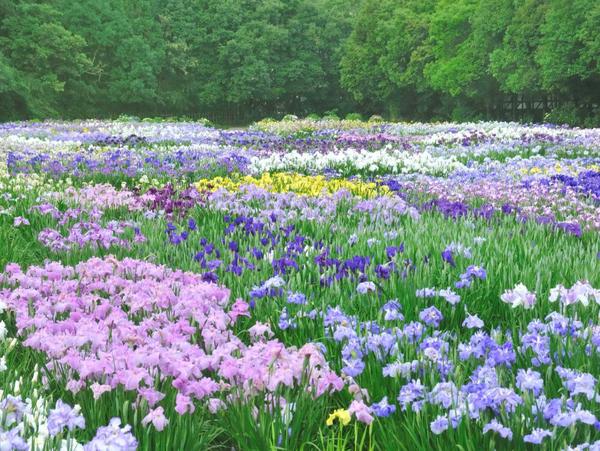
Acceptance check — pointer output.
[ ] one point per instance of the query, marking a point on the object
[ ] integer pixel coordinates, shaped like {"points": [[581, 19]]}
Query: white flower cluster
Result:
{"points": [[519, 296], [351, 161], [33, 145], [73, 131], [445, 133], [580, 293]]}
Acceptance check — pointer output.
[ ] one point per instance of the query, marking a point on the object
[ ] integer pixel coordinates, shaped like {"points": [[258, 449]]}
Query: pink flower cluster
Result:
{"points": [[107, 323], [102, 196], [92, 234], [85, 233], [70, 214]]}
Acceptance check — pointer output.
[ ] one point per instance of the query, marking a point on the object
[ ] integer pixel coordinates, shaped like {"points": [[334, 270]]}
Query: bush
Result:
{"points": [[354, 117], [592, 121], [331, 115], [376, 118], [289, 118], [571, 115], [564, 114], [127, 118], [205, 122]]}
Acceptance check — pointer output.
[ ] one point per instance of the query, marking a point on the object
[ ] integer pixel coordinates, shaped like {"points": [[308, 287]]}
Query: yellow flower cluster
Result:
{"points": [[594, 167], [31, 182], [308, 125], [342, 415], [309, 185], [559, 169]]}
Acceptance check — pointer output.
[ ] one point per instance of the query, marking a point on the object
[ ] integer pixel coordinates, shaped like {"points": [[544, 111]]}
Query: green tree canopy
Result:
{"points": [[238, 60]]}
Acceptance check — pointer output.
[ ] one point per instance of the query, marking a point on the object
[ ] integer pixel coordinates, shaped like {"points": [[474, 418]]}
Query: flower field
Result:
{"points": [[299, 284]]}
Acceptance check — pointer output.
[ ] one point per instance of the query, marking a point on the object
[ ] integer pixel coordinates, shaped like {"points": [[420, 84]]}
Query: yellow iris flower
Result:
{"points": [[342, 415], [309, 185]]}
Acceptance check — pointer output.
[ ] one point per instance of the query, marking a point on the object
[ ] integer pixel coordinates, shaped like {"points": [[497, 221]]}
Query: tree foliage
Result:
{"points": [[466, 59], [237, 60], [179, 57]]}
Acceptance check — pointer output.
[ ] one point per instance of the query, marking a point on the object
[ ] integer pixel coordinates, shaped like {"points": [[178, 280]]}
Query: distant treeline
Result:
{"points": [[234, 61]]}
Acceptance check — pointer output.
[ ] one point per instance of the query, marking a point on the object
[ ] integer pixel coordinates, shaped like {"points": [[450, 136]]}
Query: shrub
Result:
{"points": [[354, 117], [376, 118]]}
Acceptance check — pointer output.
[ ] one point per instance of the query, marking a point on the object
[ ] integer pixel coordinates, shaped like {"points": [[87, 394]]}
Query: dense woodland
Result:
{"points": [[237, 60]]}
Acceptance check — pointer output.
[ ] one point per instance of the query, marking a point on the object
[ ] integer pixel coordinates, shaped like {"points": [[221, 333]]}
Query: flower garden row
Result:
{"points": [[334, 285]]}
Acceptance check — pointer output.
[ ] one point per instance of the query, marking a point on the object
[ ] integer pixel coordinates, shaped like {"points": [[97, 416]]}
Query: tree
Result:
{"points": [[238, 60], [463, 34], [125, 43], [361, 72], [513, 64], [40, 57], [566, 53], [258, 57]]}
